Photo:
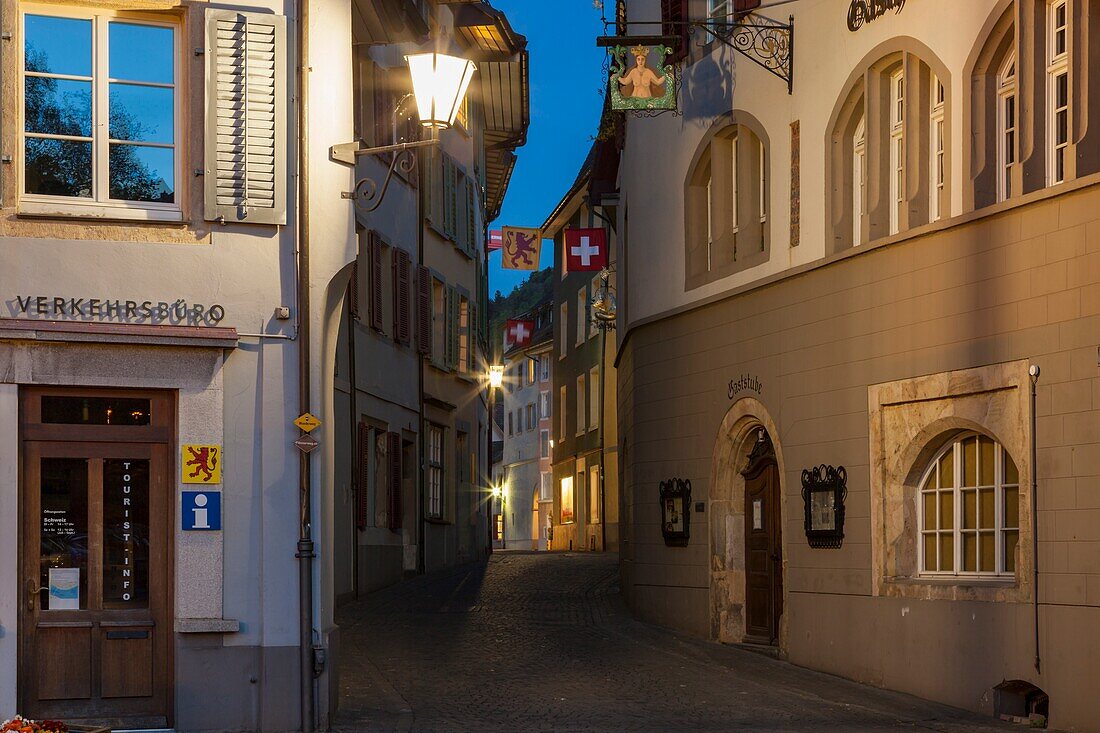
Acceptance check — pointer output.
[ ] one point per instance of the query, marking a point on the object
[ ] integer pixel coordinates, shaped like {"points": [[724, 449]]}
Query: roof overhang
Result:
{"points": [[484, 32]]}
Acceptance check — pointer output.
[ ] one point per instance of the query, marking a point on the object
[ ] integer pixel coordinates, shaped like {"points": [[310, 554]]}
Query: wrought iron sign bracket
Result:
{"points": [[764, 41], [367, 196]]}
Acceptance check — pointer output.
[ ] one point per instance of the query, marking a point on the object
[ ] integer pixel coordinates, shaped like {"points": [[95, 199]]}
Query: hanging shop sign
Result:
{"points": [[676, 511], [308, 422], [641, 80], [521, 248], [178, 312], [866, 11], [824, 490], [202, 464]]}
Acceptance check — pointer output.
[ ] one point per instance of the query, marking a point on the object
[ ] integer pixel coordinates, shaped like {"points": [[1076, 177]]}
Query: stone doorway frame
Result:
{"points": [[726, 511]]}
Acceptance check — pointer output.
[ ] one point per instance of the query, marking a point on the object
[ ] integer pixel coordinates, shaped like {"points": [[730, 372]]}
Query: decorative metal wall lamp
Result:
{"points": [[676, 511], [824, 490]]}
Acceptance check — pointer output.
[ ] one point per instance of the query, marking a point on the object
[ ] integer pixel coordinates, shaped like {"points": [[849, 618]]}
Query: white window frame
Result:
{"points": [[532, 420], [567, 499], [546, 486], [582, 407], [763, 183], [100, 205], [545, 407], [544, 367], [734, 222], [710, 217], [594, 516], [719, 10], [1008, 115], [1057, 67], [937, 149], [999, 530], [859, 179], [563, 396], [544, 443], [897, 148], [594, 398]]}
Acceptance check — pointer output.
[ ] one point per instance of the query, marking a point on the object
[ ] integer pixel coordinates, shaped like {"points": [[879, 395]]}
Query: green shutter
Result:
{"points": [[435, 191]]}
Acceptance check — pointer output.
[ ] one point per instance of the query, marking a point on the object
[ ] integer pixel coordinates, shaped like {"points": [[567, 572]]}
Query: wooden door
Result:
{"points": [[95, 620], [763, 551]]}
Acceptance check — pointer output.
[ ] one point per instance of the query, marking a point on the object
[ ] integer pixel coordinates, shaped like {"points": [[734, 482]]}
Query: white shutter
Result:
{"points": [[246, 119]]}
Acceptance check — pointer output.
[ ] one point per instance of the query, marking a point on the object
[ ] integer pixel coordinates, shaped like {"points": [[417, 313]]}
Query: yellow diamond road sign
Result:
{"points": [[308, 422]]}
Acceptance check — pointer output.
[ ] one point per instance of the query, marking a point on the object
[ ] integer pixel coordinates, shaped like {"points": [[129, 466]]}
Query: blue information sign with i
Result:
{"points": [[202, 511]]}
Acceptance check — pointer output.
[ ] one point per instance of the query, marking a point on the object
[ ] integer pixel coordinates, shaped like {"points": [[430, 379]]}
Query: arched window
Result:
{"points": [[859, 180], [969, 510], [726, 216], [889, 157], [1006, 126], [1057, 90]]}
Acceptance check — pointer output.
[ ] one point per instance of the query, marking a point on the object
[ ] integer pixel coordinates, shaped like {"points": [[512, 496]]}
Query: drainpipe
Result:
{"points": [[1034, 372], [421, 430], [305, 552]]}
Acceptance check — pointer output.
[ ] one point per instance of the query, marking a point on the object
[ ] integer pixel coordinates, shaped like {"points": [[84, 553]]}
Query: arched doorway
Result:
{"points": [[763, 543]]}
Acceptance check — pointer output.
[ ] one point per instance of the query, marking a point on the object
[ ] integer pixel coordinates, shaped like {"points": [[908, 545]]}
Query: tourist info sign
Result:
{"points": [[308, 422]]}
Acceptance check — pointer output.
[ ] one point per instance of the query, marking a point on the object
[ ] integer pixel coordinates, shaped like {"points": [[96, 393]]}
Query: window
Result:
{"points": [[544, 368], [566, 516], [531, 421], [563, 329], [464, 352], [100, 112], [593, 329], [544, 444], [733, 203], [510, 429], [897, 149], [582, 312], [710, 220], [519, 420], [544, 405], [762, 162], [1006, 127], [594, 494], [545, 486], [719, 9], [594, 398], [1057, 91], [435, 472], [859, 180], [562, 397], [970, 510], [936, 146], [581, 406], [531, 374]]}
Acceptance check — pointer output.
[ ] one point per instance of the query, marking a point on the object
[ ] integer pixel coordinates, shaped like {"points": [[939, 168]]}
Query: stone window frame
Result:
{"points": [[723, 239], [1008, 115], [868, 96], [937, 151], [910, 420], [1057, 55]]}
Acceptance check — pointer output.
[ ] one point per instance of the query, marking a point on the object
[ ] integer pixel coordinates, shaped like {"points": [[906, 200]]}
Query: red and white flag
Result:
{"points": [[585, 249], [496, 239], [517, 333]]}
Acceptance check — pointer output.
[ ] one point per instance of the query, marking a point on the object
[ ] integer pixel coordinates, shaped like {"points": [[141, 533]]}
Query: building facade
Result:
{"points": [[177, 246], [527, 384], [584, 431], [868, 273]]}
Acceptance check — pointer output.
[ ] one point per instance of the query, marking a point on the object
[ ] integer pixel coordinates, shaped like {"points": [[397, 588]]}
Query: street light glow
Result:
{"points": [[496, 375], [439, 84]]}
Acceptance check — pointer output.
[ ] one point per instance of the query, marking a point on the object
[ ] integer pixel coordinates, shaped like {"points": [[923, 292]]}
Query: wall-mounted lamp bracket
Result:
{"points": [[367, 195], [764, 41]]}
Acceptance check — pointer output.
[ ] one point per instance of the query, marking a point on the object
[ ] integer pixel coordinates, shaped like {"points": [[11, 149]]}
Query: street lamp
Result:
{"points": [[496, 375], [439, 85]]}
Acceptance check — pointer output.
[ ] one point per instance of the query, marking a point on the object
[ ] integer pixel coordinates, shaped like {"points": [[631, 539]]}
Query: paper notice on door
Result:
{"points": [[64, 589]]}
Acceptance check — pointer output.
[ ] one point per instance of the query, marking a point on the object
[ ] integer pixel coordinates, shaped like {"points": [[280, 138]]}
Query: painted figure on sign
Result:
{"points": [[642, 80], [204, 459]]}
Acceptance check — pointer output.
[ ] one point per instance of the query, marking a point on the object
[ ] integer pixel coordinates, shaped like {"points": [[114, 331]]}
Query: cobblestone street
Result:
{"points": [[541, 642]]}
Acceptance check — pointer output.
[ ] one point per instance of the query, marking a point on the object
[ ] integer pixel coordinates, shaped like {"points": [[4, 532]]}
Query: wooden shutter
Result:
{"points": [[375, 246], [246, 119], [424, 310], [362, 476], [435, 191], [450, 198], [471, 337], [742, 7], [402, 296], [383, 107], [471, 219], [462, 232], [674, 16], [393, 455], [353, 290]]}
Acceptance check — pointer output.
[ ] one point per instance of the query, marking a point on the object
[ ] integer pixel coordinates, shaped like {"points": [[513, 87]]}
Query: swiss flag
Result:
{"points": [[517, 333], [585, 249]]}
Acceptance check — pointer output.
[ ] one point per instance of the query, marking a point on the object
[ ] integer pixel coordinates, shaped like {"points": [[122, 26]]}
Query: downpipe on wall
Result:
{"points": [[1033, 371]]}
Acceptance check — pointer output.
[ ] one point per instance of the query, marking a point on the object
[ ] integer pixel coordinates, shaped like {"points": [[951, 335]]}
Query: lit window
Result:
{"points": [[970, 510], [859, 180], [594, 495], [936, 126], [1057, 92], [1006, 127], [897, 149], [100, 110], [567, 500]]}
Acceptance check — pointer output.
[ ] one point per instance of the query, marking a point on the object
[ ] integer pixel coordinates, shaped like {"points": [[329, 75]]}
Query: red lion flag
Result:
{"points": [[520, 250], [585, 249], [517, 333]]}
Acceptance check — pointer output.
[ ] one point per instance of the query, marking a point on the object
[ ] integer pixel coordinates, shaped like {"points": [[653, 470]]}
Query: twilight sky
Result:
{"points": [[566, 98]]}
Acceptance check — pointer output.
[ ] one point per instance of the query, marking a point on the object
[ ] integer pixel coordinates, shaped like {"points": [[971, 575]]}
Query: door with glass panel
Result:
{"points": [[95, 637]]}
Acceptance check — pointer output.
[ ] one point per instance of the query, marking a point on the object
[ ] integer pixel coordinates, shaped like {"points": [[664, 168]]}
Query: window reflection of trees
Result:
{"points": [[58, 167]]}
